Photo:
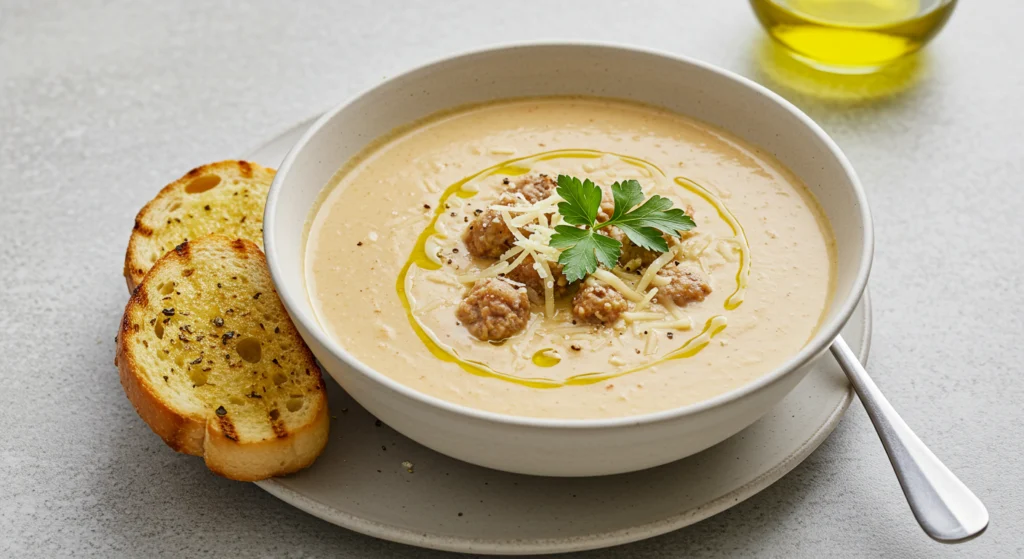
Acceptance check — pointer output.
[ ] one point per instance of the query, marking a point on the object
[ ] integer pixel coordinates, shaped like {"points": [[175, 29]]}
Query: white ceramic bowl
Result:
{"points": [[561, 447]]}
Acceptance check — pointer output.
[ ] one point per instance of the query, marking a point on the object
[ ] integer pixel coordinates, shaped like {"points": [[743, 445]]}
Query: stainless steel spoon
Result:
{"points": [[944, 507]]}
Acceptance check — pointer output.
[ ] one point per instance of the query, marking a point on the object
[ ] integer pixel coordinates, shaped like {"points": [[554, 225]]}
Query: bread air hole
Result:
{"points": [[294, 403], [249, 350], [198, 376], [159, 329], [202, 184], [236, 400], [167, 287], [279, 379], [274, 415]]}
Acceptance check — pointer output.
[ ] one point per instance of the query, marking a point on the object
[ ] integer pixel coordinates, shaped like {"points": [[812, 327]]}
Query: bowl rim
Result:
{"points": [[817, 344]]}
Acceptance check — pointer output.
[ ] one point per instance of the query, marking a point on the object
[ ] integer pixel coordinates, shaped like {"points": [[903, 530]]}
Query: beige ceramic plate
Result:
{"points": [[362, 481]]}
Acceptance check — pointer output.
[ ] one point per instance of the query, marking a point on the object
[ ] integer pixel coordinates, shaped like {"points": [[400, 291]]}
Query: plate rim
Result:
{"points": [[569, 544]]}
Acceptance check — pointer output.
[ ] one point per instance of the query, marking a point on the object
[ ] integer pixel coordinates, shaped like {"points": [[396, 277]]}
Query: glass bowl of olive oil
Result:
{"points": [[852, 36]]}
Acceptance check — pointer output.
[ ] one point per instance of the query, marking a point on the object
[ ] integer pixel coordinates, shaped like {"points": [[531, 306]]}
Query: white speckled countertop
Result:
{"points": [[101, 103]]}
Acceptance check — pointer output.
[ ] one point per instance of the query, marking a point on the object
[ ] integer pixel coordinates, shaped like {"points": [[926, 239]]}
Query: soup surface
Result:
{"points": [[393, 269]]}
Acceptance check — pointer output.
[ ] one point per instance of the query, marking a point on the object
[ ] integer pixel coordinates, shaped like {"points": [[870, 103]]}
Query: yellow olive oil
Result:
{"points": [[546, 357], [852, 36]]}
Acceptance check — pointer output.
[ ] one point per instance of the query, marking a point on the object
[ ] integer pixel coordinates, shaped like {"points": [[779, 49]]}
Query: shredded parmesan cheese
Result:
{"points": [[534, 219], [625, 276], [694, 247], [498, 268], [641, 316], [507, 217], [660, 281], [647, 299], [652, 270], [549, 286], [614, 281], [672, 308], [651, 345], [684, 323], [633, 264]]}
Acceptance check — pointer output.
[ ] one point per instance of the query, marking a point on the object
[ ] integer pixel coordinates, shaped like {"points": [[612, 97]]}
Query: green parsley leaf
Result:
{"points": [[626, 195], [582, 200], [583, 249], [644, 225]]}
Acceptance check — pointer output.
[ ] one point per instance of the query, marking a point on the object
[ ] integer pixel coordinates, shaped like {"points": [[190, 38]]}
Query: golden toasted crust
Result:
{"points": [[180, 432], [290, 452], [232, 207], [246, 442]]}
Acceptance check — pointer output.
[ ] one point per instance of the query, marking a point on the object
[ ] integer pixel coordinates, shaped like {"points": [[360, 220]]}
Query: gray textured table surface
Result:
{"points": [[101, 103]]}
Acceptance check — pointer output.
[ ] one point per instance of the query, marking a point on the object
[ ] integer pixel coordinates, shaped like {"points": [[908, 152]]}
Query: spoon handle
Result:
{"points": [[944, 507]]}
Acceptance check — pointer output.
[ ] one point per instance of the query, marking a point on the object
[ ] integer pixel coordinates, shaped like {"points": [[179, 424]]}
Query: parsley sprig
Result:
{"points": [[584, 247]]}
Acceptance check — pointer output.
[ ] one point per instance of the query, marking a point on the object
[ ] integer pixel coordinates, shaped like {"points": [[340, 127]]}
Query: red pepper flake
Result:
{"points": [[670, 335], [168, 312], [221, 411], [359, 244]]}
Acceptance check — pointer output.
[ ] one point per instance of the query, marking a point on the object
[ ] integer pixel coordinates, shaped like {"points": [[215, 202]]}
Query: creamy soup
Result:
{"points": [[431, 259]]}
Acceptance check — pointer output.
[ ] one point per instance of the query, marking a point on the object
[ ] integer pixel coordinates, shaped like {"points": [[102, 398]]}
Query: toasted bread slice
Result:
{"points": [[211, 361], [225, 198]]}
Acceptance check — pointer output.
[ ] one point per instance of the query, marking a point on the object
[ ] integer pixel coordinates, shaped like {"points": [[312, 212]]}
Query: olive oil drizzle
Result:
{"points": [[520, 166], [743, 274], [546, 357]]}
